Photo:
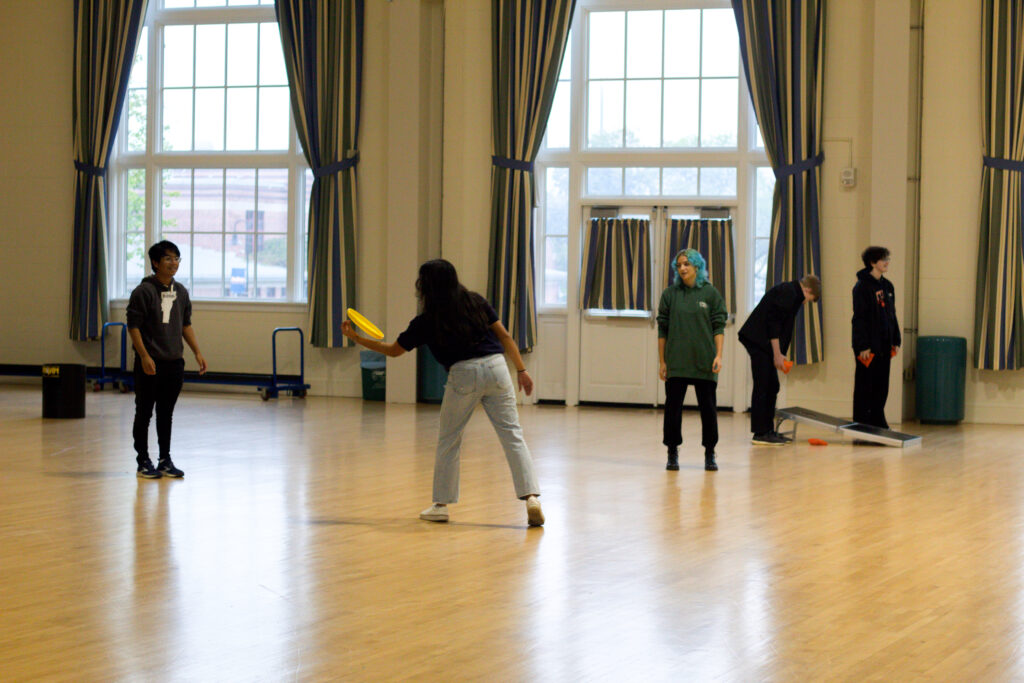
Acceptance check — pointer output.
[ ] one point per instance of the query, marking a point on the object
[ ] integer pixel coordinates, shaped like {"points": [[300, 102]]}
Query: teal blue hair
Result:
{"points": [[697, 261]]}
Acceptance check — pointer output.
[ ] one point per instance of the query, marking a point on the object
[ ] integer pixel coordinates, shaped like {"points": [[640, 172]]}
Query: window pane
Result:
{"points": [[758, 140], [679, 181], [209, 266], [178, 56], [556, 204], [681, 114], [135, 119], [565, 71], [177, 120], [556, 270], [179, 3], [242, 54], [273, 121], [210, 54], [607, 51], [721, 49], [209, 3], [210, 118], [239, 258], [643, 44], [718, 115], [604, 181], [760, 267], [308, 181], [682, 49], [559, 121], [643, 113], [182, 240], [763, 197], [641, 181], [135, 201], [208, 207], [604, 127], [139, 73], [272, 198], [272, 71], [271, 266], [240, 200], [242, 115], [718, 182], [136, 259], [176, 200]]}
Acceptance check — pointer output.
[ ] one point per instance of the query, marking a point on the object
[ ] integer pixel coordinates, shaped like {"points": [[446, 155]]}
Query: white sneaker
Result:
{"points": [[533, 512], [435, 513]]}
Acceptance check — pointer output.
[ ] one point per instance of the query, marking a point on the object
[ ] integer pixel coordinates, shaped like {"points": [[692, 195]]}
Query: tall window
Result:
{"points": [[207, 155], [651, 109]]}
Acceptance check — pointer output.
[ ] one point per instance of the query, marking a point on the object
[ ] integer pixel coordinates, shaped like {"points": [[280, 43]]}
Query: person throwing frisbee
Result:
{"points": [[463, 332]]}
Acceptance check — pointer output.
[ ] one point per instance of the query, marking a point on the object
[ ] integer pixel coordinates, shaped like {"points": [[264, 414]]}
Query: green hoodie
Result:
{"points": [[689, 318]]}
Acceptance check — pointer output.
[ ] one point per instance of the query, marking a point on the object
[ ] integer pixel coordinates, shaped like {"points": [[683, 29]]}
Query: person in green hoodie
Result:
{"points": [[691, 330]]}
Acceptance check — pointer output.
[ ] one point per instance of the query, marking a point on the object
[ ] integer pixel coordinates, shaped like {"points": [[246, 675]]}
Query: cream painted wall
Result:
{"points": [[950, 186]]}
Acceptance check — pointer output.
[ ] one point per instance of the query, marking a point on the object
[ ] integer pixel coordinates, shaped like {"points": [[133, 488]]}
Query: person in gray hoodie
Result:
{"points": [[159, 316]]}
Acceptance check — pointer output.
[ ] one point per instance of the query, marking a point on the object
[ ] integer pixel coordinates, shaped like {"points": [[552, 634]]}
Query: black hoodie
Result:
{"points": [[160, 312], [874, 314]]}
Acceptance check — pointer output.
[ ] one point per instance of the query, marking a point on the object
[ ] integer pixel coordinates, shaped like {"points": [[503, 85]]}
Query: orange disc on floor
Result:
{"points": [[817, 442]]}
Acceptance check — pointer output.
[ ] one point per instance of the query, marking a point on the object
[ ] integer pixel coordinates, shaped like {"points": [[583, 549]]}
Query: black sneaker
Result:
{"points": [[673, 460], [167, 469], [146, 470], [785, 439], [709, 462], [769, 439]]}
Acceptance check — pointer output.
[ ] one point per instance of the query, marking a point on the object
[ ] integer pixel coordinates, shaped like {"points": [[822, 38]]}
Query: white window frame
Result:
{"points": [[154, 161], [745, 158]]}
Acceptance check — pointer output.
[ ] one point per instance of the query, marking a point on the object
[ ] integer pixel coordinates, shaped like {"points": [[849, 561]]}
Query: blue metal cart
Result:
{"points": [[270, 390], [118, 377]]}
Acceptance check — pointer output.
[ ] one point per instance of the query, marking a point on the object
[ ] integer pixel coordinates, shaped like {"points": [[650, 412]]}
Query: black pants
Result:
{"points": [[870, 391], [675, 391], [162, 390], [765, 392]]}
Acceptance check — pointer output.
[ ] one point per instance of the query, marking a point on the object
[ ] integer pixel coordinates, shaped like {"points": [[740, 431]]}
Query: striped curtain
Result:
{"points": [[998, 312], [106, 35], [617, 265], [713, 239], [782, 44], [529, 38], [323, 53]]}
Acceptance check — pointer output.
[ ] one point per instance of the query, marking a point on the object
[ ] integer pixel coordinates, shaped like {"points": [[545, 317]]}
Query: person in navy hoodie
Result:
{"points": [[876, 337]]}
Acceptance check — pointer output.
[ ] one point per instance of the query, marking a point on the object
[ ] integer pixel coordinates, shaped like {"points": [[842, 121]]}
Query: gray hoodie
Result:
{"points": [[159, 313]]}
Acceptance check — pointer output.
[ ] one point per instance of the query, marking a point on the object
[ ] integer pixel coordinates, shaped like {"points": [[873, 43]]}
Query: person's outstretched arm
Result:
{"points": [[394, 349], [525, 381]]}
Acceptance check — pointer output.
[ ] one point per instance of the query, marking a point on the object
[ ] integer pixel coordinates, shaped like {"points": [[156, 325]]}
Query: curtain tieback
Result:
{"points": [[91, 170], [800, 166], [337, 166], [514, 164], [1004, 164]]}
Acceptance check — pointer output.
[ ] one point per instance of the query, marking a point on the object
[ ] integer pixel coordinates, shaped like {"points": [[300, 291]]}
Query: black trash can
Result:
{"points": [[430, 377], [63, 390], [941, 372]]}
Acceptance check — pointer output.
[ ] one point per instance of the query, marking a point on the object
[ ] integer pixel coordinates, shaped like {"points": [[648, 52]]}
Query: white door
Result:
{"points": [[619, 349]]}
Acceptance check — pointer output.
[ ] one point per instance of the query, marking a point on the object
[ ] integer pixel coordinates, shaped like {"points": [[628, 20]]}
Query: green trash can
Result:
{"points": [[374, 375], [430, 377], [941, 371]]}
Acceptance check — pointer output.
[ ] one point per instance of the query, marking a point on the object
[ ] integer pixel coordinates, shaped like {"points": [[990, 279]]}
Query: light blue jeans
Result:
{"points": [[470, 382]]}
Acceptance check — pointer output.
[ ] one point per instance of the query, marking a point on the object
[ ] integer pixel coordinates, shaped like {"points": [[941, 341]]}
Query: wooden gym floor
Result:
{"points": [[292, 550]]}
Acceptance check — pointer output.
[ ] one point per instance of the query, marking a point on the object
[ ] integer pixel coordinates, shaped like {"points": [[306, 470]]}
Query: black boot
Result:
{"points": [[709, 462], [673, 459]]}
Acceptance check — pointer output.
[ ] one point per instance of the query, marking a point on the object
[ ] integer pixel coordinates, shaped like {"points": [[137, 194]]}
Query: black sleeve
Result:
{"points": [[414, 335], [861, 320], [897, 338], [492, 315], [780, 301], [137, 309]]}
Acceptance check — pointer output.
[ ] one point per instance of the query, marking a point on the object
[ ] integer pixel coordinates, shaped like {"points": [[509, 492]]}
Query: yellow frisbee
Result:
{"points": [[365, 325]]}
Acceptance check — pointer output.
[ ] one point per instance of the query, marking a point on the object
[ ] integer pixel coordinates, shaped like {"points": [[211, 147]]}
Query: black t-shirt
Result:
{"points": [[451, 351]]}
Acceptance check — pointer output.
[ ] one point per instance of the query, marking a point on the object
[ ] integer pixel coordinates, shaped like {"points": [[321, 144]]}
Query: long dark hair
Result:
{"points": [[456, 315]]}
